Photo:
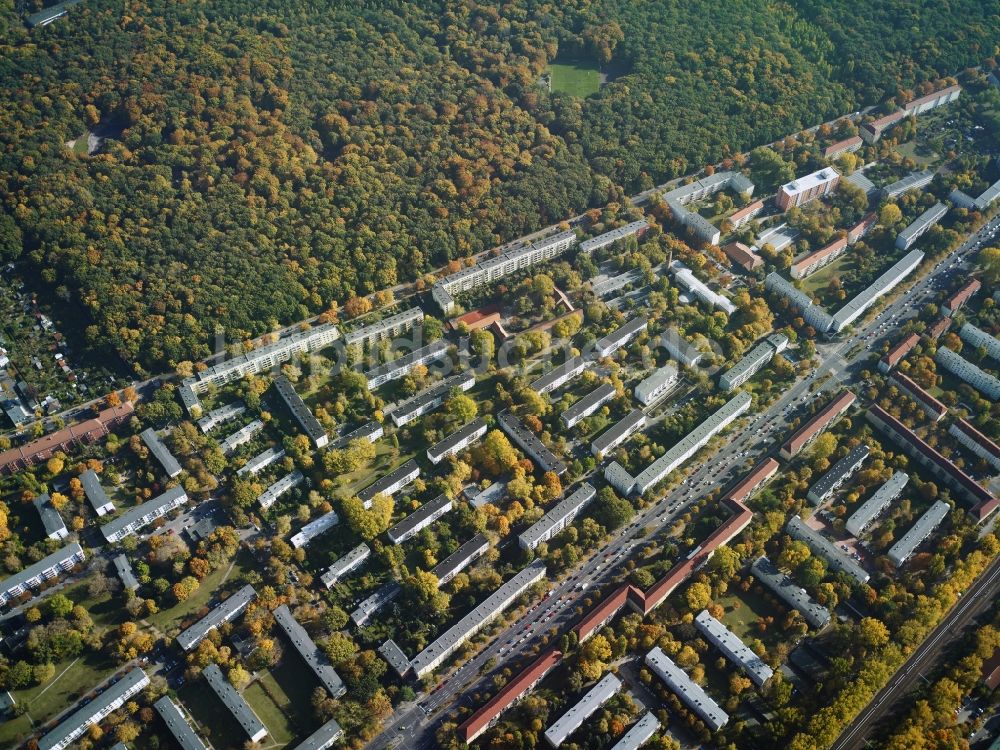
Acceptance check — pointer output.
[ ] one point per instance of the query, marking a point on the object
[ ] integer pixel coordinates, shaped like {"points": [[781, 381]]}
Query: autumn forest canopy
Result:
{"points": [[266, 159]]}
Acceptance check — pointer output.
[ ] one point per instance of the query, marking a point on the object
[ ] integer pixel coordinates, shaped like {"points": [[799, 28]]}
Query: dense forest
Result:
{"points": [[265, 160]]}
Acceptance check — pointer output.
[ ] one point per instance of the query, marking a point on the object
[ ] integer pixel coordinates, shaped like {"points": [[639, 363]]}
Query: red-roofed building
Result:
{"points": [[753, 481], [862, 228], [742, 256], [893, 357], [871, 131], [935, 330], [811, 429], [484, 317], [931, 406], [840, 147], [966, 434], [745, 214], [959, 298], [819, 258], [509, 694], [86, 432], [605, 612], [991, 671]]}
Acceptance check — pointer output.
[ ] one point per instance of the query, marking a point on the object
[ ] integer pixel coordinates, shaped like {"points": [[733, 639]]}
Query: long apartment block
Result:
{"points": [[558, 376], [420, 519], [815, 426], [305, 419], [618, 338], [95, 493], [632, 229], [930, 405], [161, 453], [235, 703], [141, 516], [530, 444], [49, 567], [461, 558], [346, 565], [690, 692], [430, 399], [733, 648], [177, 723], [963, 369], [753, 362], [839, 473], [606, 689], [587, 405], [490, 608], [386, 328], [976, 442], [457, 441], [260, 462], [227, 611], [791, 593], [311, 654], [78, 722], [314, 528], [907, 544], [838, 560], [877, 504], [403, 366], [558, 518], [391, 483], [619, 432], [280, 488]]}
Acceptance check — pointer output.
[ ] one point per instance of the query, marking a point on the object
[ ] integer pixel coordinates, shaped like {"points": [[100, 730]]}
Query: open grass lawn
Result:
{"points": [[290, 685], [168, 620], [742, 620], [216, 723], [74, 679], [817, 282], [264, 700], [386, 460], [575, 77], [922, 156]]}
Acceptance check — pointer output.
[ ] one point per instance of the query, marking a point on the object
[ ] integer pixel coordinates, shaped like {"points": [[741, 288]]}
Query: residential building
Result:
{"points": [[812, 262], [912, 181], [518, 687], [862, 228], [657, 471], [619, 477], [140, 516], [587, 405], [907, 544], [983, 503], [690, 692], [314, 529], [814, 427], [225, 612], [931, 406], [680, 348], [558, 518], [52, 13], [941, 325], [979, 339], [310, 653], [920, 226], [391, 483], [874, 506], [654, 386], [801, 190], [402, 366], [788, 591], [753, 362], [98, 498], [632, 229], [235, 703], [323, 738], [678, 198], [497, 267], [559, 376], [839, 473], [932, 100], [395, 658], [640, 733], [984, 201], [55, 527], [871, 132], [813, 314], [429, 399], [457, 441], [976, 442], [78, 722], [385, 329], [743, 256], [260, 462], [221, 415], [761, 474], [606, 689], [530, 444], [615, 340], [960, 367], [421, 518], [746, 214], [181, 730], [837, 560], [83, 433], [161, 453], [265, 358], [241, 437], [280, 488], [733, 648], [461, 558], [695, 286], [488, 610], [884, 284], [895, 355], [49, 567], [384, 594], [842, 147], [964, 293], [305, 419], [125, 573], [345, 565], [371, 431], [603, 612]]}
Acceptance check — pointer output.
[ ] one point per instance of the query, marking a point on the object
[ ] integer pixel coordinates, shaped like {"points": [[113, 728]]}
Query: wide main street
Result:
{"points": [[413, 724]]}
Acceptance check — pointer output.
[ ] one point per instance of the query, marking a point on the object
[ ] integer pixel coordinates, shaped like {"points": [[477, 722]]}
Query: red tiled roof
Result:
{"points": [[930, 97], [741, 254], [967, 427], [746, 211], [840, 146], [834, 247], [761, 473], [938, 328], [818, 423], [860, 229], [481, 318], [900, 350], [962, 296], [603, 612], [919, 394], [991, 670]]}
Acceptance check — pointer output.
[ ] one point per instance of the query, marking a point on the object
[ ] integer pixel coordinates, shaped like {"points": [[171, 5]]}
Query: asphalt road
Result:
{"points": [[412, 725]]}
